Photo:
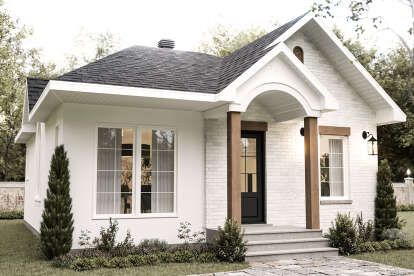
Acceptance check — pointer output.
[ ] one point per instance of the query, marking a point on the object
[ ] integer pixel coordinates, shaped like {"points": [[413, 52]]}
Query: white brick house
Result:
{"points": [[157, 136]]}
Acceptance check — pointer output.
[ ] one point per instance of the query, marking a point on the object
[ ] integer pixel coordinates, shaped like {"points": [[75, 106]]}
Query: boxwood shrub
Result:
{"points": [[11, 214]]}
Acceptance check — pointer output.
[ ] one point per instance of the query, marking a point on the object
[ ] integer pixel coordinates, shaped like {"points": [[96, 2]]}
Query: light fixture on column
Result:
{"points": [[408, 173], [372, 143]]}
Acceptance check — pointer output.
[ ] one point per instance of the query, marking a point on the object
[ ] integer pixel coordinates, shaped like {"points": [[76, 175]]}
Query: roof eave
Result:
{"points": [[59, 92]]}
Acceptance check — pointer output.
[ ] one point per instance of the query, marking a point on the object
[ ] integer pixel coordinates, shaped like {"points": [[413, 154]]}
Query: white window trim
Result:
{"points": [[347, 185], [136, 174]]}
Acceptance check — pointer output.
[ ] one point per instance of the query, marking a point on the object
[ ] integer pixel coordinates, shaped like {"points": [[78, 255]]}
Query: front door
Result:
{"points": [[252, 176]]}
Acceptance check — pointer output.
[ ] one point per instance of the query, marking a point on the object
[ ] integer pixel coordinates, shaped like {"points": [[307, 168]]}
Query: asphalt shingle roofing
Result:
{"points": [[168, 69]]}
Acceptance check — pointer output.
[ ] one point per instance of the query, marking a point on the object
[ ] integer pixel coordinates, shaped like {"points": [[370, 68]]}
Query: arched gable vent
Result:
{"points": [[298, 52]]}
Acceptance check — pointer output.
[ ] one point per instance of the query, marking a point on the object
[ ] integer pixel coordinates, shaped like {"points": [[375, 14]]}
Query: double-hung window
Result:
{"points": [[333, 166], [135, 171]]}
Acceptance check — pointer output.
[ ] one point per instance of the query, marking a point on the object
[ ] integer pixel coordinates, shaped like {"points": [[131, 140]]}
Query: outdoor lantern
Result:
{"points": [[372, 143], [408, 172]]}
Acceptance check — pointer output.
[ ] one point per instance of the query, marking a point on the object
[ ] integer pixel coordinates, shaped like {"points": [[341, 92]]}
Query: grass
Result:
{"points": [[19, 255], [401, 258]]}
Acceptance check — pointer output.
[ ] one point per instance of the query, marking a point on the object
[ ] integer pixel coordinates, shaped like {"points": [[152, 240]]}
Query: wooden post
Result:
{"points": [[311, 173], [233, 166]]}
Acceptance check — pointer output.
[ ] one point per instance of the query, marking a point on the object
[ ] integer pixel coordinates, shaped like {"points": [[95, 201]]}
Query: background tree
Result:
{"points": [[385, 203], [360, 12], [223, 40], [12, 82], [56, 228], [16, 63], [394, 71], [103, 44]]}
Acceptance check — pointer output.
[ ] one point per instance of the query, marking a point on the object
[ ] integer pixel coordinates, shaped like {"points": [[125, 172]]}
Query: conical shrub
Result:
{"points": [[385, 203], [56, 228]]}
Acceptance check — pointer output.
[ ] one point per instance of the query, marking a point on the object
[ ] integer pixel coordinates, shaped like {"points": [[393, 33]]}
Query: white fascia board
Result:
{"points": [[25, 132], [387, 116], [131, 91], [329, 103], [296, 27], [397, 114], [54, 88], [229, 93]]}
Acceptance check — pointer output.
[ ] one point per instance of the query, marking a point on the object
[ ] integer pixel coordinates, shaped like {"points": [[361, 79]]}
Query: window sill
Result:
{"points": [[140, 216], [335, 201]]}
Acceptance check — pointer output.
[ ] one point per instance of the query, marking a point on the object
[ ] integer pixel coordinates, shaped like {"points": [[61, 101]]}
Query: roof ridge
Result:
{"points": [[135, 47], [294, 20]]}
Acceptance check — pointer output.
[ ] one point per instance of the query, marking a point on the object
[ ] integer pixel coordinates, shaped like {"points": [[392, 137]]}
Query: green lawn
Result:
{"points": [[401, 258], [19, 255]]}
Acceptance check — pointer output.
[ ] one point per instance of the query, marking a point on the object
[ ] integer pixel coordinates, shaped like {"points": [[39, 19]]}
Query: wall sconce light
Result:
{"points": [[302, 131], [372, 143]]}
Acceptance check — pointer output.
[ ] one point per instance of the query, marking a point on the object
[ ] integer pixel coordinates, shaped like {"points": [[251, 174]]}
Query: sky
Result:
{"points": [[59, 26]]}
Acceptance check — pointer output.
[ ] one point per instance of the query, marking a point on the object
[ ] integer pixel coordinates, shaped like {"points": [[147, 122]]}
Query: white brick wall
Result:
{"points": [[355, 113], [285, 188], [216, 171]]}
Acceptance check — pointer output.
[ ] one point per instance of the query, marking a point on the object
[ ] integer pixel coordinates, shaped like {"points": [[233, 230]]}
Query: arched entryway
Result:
{"points": [[282, 103]]}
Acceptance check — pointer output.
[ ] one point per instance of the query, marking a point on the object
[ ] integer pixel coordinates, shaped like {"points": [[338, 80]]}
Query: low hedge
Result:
{"points": [[385, 245], [82, 262], [405, 208], [11, 214]]}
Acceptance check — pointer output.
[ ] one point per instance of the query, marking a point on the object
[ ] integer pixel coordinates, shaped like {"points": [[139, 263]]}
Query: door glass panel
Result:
{"points": [[248, 165], [243, 183]]}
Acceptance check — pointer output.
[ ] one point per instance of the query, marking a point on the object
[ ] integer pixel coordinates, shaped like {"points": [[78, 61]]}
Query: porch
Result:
{"points": [[272, 125]]}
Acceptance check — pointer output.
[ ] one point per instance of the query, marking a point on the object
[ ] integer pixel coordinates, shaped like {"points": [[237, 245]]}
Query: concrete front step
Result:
{"points": [[270, 234], [267, 256], [274, 245]]}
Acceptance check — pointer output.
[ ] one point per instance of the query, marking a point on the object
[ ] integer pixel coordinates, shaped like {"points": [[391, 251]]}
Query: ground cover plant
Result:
{"points": [[105, 252]]}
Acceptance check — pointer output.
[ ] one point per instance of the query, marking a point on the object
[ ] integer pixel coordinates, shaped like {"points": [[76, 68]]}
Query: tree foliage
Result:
{"points": [[56, 228], [103, 45], [223, 41], [392, 71], [16, 63], [12, 81], [357, 12]]}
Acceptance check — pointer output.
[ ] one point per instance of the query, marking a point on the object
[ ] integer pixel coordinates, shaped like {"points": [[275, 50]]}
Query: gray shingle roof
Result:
{"points": [[35, 88], [158, 68]]}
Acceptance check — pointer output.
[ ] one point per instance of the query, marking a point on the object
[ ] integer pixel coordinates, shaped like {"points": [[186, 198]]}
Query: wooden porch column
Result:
{"points": [[233, 165], [311, 173]]}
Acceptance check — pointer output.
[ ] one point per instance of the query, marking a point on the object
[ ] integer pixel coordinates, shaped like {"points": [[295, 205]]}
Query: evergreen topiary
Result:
{"points": [[56, 228], [229, 243], [385, 203], [343, 234]]}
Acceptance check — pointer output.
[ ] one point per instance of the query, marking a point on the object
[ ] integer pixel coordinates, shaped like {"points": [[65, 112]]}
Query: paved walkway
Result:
{"points": [[318, 266]]}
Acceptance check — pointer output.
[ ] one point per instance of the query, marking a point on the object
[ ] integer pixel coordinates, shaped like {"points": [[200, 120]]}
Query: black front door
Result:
{"points": [[252, 176]]}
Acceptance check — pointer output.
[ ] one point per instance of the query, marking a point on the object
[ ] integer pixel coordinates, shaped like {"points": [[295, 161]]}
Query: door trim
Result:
{"points": [[262, 171], [253, 126]]}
